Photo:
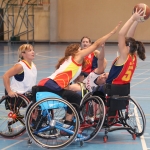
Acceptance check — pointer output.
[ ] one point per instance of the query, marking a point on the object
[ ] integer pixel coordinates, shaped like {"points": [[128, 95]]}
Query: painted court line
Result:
{"points": [[140, 82], [143, 142], [44, 52], [146, 137], [47, 56], [144, 146], [141, 73], [141, 97], [13, 144]]}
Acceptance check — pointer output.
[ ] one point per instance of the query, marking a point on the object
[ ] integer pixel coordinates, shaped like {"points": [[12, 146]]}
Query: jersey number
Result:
{"points": [[128, 74]]}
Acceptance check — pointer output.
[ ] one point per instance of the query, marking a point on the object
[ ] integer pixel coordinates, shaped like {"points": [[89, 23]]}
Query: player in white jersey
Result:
{"points": [[23, 73]]}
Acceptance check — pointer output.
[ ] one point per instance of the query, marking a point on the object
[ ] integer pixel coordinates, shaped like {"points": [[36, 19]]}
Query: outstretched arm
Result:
{"points": [[97, 43], [102, 62]]}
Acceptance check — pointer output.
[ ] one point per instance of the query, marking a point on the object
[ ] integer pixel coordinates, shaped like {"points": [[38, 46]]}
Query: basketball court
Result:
{"points": [[46, 58]]}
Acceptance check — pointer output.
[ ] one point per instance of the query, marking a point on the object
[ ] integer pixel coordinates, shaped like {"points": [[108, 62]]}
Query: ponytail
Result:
{"points": [[140, 50], [60, 62], [71, 50]]}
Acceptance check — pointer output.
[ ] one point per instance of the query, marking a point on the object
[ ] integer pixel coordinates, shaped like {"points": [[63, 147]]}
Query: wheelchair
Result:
{"points": [[12, 115], [47, 129], [122, 112]]}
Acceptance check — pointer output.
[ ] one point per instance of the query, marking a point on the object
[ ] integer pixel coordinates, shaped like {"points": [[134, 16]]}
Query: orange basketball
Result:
{"points": [[145, 8]]}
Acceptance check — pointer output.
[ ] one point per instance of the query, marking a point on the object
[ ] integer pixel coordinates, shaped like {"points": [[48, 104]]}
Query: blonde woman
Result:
{"points": [[23, 73]]}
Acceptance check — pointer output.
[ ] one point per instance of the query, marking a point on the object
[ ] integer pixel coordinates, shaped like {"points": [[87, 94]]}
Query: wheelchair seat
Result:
{"points": [[41, 92], [36, 89], [117, 96]]}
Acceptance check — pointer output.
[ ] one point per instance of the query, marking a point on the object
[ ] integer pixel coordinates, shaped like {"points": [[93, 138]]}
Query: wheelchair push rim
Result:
{"points": [[54, 140], [12, 121]]}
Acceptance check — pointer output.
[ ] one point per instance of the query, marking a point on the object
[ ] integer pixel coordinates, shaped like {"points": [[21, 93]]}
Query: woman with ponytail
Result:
{"points": [[124, 66]]}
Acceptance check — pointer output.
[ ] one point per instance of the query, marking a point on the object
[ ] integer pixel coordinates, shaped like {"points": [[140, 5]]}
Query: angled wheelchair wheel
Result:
{"points": [[92, 111], [12, 112], [45, 126], [87, 95], [134, 118]]}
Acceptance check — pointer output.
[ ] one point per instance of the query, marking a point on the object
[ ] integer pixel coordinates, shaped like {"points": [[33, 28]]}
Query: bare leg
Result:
{"points": [[69, 117], [75, 87]]}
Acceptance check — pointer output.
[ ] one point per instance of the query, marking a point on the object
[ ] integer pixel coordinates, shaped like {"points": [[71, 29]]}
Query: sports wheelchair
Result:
{"points": [[12, 115], [47, 128], [122, 112]]}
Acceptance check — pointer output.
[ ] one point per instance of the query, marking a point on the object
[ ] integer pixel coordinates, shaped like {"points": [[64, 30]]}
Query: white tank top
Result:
{"points": [[30, 75], [89, 81]]}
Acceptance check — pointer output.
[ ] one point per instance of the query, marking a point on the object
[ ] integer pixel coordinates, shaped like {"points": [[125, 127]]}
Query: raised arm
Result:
{"points": [[97, 43], [102, 62], [132, 29], [127, 30]]}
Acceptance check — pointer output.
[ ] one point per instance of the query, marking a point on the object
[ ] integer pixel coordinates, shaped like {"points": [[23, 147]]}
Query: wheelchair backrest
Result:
{"points": [[118, 96], [117, 89]]}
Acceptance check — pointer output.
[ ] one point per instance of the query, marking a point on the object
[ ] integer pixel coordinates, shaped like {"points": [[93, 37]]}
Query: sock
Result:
{"points": [[67, 124]]}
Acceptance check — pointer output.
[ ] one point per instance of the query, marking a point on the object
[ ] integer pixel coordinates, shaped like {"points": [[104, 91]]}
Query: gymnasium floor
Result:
{"points": [[46, 58]]}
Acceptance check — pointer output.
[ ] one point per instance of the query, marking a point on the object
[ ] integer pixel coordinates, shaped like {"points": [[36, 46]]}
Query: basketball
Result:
{"points": [[145, 8]]}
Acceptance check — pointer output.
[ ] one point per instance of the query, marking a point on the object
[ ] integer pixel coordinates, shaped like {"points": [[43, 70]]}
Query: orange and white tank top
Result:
{"points": [[29, 79], [66, 73]]}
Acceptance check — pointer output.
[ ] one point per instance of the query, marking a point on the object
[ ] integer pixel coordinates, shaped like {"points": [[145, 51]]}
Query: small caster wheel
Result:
{"points": [[81, 143], [133, 136], [105, 138], [29, 142]]}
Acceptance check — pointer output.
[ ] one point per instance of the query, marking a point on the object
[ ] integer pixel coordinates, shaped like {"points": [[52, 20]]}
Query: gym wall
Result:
{"points": [[95, 18], [69, 20]]}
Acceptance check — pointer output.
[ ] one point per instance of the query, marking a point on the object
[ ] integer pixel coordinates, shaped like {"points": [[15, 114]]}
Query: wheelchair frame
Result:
{"points": [[50, 101], [123, 115]]}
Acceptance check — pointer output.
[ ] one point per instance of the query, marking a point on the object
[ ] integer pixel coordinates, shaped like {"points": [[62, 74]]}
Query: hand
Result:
{"points": [[137, 16], [12, 94], [116, 28]]}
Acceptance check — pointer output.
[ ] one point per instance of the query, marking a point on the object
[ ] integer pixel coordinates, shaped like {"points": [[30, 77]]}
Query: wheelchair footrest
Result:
{"points": [[118, 128]]}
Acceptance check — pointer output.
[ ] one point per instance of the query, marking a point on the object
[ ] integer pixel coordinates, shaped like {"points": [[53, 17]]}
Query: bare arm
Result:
{"points": [[132, 29], [95, 45], [6, 78], [123, 51], [102, 62]]}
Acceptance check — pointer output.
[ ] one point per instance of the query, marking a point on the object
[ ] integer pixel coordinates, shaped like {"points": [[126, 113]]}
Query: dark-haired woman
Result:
{"points": [[124, 66]]}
